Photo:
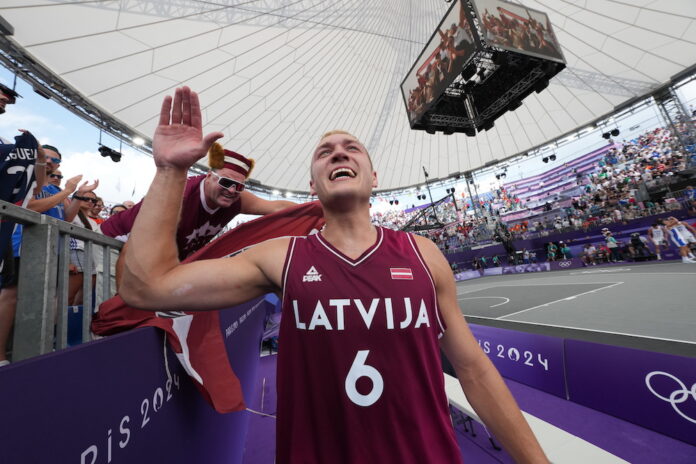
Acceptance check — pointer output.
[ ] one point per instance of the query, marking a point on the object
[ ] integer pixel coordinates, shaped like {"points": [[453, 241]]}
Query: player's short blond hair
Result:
{"points": [[334, 132]]}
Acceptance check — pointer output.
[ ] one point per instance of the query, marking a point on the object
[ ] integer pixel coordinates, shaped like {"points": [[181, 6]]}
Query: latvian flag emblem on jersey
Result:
{"points": [[401, 273]]}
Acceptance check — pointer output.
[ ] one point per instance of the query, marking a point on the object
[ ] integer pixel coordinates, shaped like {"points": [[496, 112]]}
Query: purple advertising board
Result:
{"points": [[491, 271], [654, 390], [524, 268], [562, 264], [467, 275], [124, 399], [534, 360]]}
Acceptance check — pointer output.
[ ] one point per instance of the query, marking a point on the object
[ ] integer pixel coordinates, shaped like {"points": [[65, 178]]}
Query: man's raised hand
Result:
{"points": [[178, 140]]}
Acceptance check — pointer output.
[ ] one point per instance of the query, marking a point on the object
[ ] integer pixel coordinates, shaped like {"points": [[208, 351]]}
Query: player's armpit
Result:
{"points": [[210, 284], [458, 342]]}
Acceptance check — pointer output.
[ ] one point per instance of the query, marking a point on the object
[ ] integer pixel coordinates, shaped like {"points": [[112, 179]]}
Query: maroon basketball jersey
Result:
{"points": [[198, 224], [359, 374]]}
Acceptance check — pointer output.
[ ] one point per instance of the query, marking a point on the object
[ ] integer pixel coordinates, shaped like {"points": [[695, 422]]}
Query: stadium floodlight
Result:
{"points": [[138, 141], [606, 135], [615, 132], [545, 159], [109, 152], [552, 158]]}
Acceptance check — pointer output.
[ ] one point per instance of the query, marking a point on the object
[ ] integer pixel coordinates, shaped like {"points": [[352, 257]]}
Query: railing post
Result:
{"points": [[35, 317], [87, 291]]}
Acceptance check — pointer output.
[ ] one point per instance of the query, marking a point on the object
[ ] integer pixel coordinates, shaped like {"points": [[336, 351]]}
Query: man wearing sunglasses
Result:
{"points": [[210, 202]]}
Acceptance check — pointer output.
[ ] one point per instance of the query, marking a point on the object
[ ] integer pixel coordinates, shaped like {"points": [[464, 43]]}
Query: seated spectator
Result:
{"points": [[588, 254], [525, 256]]}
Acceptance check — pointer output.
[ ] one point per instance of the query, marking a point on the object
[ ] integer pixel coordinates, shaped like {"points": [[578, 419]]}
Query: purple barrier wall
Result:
{"points": [[535, 360], [111, 401], [654, 390], [523, 268]]}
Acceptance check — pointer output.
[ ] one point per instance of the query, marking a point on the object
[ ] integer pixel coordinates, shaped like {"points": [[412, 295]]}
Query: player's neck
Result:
{"points": [[351, 234]]}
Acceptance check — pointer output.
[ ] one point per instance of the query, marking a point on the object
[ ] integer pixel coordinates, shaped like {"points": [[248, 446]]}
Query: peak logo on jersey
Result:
{"points": [[401, 273], [312, 275]]}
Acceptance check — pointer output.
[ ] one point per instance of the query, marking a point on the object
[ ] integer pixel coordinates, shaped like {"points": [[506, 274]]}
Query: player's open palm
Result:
{"points": [[179, 140]]}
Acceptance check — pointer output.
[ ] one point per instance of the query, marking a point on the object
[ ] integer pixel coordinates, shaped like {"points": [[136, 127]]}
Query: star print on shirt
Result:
{"points": [[204, 231]]}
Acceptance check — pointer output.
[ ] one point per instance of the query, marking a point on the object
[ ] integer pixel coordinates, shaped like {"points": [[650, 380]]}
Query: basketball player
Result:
{"points": [[682, 235], [365, 312], [656, 232]]}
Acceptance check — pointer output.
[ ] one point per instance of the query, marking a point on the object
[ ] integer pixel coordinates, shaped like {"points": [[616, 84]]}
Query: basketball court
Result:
{"points": [[649, 300]]}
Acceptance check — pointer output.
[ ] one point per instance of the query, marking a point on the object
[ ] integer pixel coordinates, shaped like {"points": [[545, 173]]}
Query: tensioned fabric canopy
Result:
{"points": [[274, 75]]}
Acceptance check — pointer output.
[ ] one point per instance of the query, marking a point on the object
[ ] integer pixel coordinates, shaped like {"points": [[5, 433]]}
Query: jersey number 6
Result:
{"points": [[360, 369]]}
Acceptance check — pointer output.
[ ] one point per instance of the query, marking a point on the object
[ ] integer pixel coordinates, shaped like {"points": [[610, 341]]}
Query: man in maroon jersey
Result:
{"points": [[210, 201], [365, 309]]}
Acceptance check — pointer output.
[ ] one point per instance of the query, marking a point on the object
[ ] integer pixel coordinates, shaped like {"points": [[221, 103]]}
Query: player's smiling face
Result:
{"points": [[341, 166]]}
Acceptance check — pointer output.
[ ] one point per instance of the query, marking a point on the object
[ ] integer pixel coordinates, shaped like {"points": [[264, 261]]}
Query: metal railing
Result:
{"points": [[42, 293]]}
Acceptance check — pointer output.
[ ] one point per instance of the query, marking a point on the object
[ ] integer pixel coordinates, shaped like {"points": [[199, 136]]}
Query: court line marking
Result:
{"points": [[534, 284], [662, 273], [507, 300], [572, 297], [585, 329]]}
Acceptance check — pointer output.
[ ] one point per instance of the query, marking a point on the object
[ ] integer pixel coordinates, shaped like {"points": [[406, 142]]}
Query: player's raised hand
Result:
{"points": [[179, 140]]}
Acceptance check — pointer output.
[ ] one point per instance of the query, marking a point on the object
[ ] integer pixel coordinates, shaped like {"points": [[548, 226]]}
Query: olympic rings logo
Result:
{"points": [[675, 398], [565, 263]]}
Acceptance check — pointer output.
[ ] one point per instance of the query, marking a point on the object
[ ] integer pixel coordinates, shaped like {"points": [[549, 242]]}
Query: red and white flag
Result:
{"points": [[196, 337], [401, 273]]}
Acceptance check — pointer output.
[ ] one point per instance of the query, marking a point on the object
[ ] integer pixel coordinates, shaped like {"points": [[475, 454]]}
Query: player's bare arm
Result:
{"points": [[251, 204], [153, 276], [481, 382]]}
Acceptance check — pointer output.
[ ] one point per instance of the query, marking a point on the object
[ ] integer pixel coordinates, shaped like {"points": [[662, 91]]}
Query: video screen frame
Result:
{"points": [[420, 78], [481, 6]]}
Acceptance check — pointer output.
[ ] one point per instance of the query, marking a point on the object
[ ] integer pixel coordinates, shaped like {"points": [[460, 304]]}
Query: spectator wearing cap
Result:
{"points": [[210, 201]]}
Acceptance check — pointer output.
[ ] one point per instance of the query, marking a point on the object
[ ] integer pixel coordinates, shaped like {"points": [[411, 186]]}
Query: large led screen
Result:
{"points": [[518, 29], [441, 60]]}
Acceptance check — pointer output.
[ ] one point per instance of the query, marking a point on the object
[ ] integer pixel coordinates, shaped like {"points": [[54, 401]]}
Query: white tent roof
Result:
{"points": [[275, 75]]}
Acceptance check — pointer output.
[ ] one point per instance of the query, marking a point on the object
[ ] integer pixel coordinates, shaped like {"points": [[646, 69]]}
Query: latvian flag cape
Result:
{"points": [[196, 337]]}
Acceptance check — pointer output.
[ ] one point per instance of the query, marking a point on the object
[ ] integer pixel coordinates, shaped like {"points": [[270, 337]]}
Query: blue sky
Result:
{"points": [[77, 141]]}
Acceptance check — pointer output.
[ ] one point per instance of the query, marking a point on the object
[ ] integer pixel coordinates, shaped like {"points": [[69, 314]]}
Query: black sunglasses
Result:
{"points": [[91, 200], [227, 183], [55, 176]]}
